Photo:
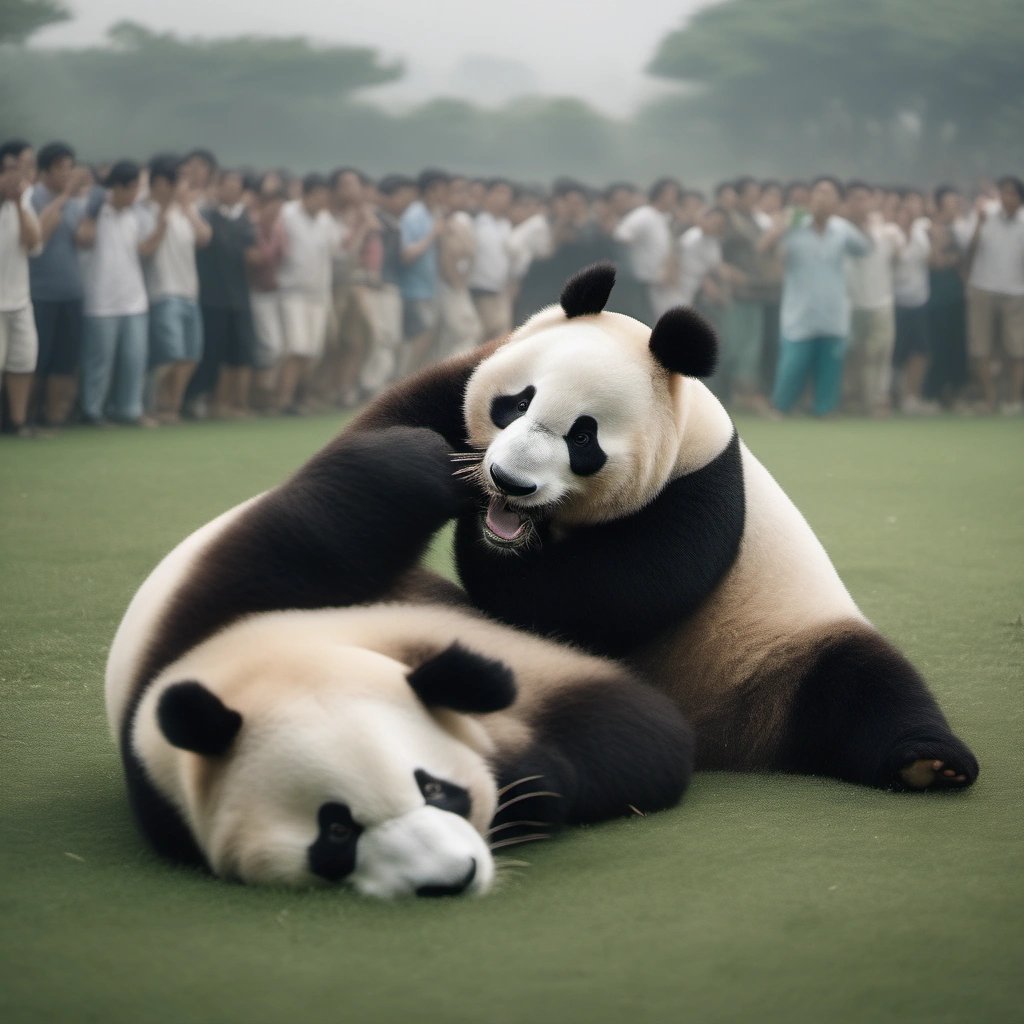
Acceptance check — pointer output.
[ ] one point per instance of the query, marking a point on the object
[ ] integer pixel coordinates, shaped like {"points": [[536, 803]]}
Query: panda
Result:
{"points": [[297, 702], [619, 510]]}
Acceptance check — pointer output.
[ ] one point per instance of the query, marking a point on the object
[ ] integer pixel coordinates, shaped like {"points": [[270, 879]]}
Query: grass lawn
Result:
{"points": [[763, 899]]}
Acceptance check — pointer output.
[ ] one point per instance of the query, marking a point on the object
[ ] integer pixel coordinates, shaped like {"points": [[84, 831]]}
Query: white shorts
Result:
{"points": [[305, 325], [19, 344], [269, 327]]}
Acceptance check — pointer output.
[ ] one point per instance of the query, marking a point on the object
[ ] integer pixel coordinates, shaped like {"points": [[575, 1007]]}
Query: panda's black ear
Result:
{"points": [[587, 291], [684, 342], [193, 718], [464, 681]]}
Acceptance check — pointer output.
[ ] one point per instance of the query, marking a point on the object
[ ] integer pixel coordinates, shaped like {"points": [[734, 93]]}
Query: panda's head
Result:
{"points": [[297, 760], [581, 416]]}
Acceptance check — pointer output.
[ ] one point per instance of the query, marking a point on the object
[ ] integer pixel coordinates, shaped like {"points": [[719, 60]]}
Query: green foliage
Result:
{"points": [[21, 18]]}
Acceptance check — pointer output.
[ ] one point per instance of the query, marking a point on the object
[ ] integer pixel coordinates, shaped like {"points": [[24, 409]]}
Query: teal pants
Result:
{"points": [[820, 359]]}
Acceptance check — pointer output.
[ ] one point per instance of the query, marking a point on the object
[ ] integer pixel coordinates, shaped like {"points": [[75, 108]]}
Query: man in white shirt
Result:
{"points": [[20, 237], [115, 345], [872, 318], [169, 254], [459, 327], [490, 279], [995, 291], [314, 238], [647, 235], [700, 254], [912, 353]]}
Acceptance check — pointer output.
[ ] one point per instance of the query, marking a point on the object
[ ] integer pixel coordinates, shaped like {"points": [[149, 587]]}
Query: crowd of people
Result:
{"points": [[181, 289]]}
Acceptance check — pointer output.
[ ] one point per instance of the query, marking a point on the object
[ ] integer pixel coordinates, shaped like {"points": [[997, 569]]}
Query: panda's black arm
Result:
{"points": [[345, 529], [614, 586], [431, 398]]}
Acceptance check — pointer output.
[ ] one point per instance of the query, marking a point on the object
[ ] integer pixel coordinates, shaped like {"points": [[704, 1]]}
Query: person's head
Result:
{"points": [[713, 220], [621, 197], [570, 200], [230, 186], [798, 194], [273, 182], [913, 205], [947, 203], [748, 192], [459, 198], [269, 202], [123, 182], [346, 187], [859, 200], [1011, 194], [692, 206], [891, 203], [825, 196], [199, 168], [164, 171], [316, 193], [396, 192], [18, 160], [526, 202], [725, 196], [56, 161], [664, 195], [433, 187], [477, 188], [498, 197], [771, 197]]}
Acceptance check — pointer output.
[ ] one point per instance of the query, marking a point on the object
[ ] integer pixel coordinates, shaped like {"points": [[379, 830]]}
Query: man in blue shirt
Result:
{"points": [[815, 317], [420, 225]]}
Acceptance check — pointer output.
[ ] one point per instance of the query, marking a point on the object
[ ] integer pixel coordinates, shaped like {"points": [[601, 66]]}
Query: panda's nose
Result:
{"points": [[450, 890], [507, 485]]}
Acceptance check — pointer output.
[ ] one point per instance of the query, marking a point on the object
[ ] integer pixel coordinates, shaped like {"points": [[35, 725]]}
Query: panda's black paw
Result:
{"points": [[933, 763]]}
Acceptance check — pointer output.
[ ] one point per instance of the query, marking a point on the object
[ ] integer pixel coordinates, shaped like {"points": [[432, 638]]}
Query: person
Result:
{"points": [[947, 311], [995, 290], [872, 320], [700, 258], [229, 341], [172, 281], [199, 169], [460, 327], [56, 283], [491, 276], [530, 239], [313, 240], [20, 237], [647, 236], [739, 372], [912, 352], [691, 208], [421, 224], [115, 344], [262, 264], [815, 315]]}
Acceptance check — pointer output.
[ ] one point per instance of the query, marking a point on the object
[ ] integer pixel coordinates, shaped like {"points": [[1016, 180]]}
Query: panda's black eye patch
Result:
{"points": [[333, 854], [444, 795], [506, 409], [586, 456]]}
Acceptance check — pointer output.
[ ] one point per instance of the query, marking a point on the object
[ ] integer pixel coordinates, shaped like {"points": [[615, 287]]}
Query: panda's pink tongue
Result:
{"points": [[503, 521]]}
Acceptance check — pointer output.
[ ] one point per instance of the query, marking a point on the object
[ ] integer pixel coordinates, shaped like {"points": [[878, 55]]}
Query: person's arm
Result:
{"points": [[980, 216], [414, 248], [85, 233], [151, 241], [29, 235], [857, 242], [770, 240], [200, 227]]}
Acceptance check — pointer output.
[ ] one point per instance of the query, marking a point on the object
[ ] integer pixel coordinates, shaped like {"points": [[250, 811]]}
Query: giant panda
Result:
{"points": [[619, 510], [296, 702]]}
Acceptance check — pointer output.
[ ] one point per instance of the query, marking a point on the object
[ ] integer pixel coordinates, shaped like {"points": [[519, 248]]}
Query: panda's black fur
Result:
{"points": [[349, 529], [839, 701]]}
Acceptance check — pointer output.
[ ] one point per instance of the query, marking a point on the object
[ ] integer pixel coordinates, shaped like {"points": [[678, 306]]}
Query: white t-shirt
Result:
{"points": [[910, 272], [699, 254], [529, 241], [869, 277], [646, 233], [14, 288], [491, 262], [999, 260], [171, 270], [313, 242], [112, 268]]}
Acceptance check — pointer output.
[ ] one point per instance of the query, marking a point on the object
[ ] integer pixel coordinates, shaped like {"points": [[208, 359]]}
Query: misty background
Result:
{"points": [[914, 90]]}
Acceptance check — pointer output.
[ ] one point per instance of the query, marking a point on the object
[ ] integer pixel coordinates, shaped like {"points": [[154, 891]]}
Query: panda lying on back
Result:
{"points": [[387, 746], [619, 510]]}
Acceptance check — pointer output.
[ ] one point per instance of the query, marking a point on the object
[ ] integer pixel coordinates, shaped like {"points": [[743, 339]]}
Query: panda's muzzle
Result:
{"points": [[508, 486]]}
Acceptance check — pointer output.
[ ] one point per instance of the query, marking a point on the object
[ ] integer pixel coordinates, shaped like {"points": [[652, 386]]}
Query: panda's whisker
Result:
{"points": [[513, 824], [533, 837], [525, 796], [512, 785]]}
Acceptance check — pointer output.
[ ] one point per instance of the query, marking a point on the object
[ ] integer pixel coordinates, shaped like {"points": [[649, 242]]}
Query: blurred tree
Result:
{"points": [[20, 18], [809, 78]]}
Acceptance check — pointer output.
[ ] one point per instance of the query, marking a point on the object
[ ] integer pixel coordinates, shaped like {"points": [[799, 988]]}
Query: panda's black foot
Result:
{"points": [[935, 764]]}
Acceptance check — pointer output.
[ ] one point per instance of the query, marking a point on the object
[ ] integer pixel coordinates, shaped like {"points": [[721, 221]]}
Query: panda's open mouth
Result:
{"points": [[506, 527]]}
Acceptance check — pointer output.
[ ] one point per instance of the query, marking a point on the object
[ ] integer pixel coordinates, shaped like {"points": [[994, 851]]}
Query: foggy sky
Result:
{"points": [[568, 47]]}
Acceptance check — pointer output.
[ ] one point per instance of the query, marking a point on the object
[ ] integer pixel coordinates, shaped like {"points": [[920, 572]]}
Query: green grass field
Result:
{"points": [[763, 899]]}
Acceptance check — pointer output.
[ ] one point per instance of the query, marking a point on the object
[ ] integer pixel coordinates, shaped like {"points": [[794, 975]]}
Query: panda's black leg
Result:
{"points": [[601, 750], [863, 713]]}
